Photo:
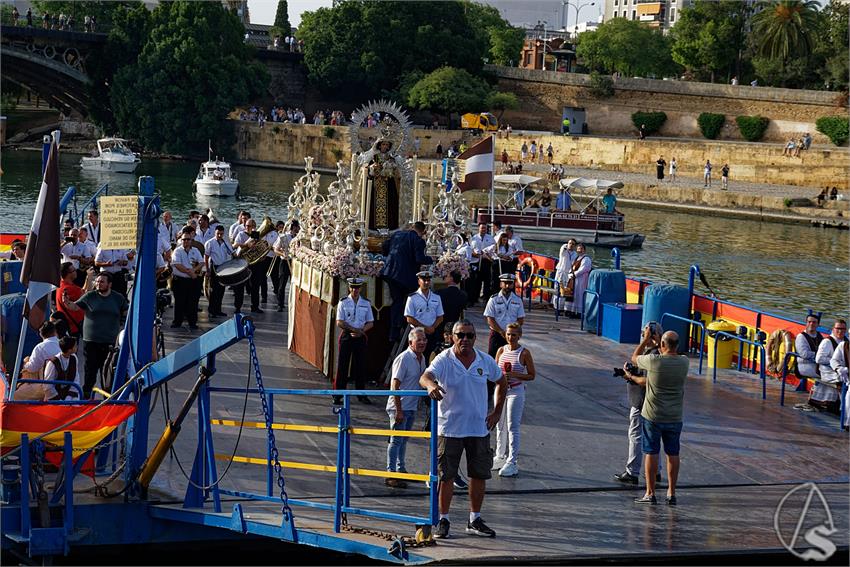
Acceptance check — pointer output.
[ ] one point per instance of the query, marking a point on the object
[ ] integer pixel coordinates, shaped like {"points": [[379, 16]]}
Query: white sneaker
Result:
{"points": [[509, 469], [498, 463]]}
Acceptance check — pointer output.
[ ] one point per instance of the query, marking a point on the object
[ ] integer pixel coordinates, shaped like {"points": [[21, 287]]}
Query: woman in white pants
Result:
{"points": [[518, 366]]}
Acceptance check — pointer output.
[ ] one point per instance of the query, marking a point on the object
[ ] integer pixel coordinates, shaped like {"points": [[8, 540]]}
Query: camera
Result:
{"points": [[632, 368], [163, 300]]}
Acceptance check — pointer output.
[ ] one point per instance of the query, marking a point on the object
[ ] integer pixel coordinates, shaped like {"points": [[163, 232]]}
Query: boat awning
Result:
{"points": [[513, 179], [585, 183]]}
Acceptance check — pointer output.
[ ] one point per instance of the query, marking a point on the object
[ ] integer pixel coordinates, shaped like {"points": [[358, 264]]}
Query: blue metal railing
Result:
{"points": [[55, 383], [80, 214], [342, 467], [598, 310], [762, 358], [700, 324]]}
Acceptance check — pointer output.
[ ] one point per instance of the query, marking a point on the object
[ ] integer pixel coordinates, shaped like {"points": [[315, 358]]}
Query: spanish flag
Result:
{"points": [[17, 418]]}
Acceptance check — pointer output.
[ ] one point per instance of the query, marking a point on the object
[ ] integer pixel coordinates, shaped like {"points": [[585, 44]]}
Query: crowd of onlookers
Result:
{"points": [[289, 115], [60, 21], [288, 43]]}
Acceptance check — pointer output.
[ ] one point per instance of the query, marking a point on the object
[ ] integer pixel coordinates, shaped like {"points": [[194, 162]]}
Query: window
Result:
{"points": [[672, 15], [634, 14], [615, 3], [615, 13]]}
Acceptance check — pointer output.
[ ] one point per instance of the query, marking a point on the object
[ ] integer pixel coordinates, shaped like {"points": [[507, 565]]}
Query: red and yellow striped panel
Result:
{"points": [[35, 419], [6, 239]]}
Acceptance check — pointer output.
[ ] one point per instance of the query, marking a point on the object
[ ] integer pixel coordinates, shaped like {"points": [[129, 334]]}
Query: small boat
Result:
{"points": [[112, 155], [215, 178], [584, 222]]}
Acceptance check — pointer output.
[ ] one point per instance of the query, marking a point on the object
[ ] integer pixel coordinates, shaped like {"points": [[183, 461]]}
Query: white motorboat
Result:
{"points": [[215, 178], [112, 155]]}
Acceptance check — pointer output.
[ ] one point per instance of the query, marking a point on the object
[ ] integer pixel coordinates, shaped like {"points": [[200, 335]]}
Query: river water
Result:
{"points": [[780, 268]]}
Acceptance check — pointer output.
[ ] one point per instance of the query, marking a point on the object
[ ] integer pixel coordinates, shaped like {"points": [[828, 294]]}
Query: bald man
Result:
{"points": [[661, 415]]}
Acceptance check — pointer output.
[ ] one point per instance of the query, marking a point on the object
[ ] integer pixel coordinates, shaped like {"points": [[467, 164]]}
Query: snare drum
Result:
{"points": [[233, 272]]}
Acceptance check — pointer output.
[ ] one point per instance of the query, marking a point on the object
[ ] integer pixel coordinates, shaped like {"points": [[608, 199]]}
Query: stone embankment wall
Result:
{"points": [[544, 94], [287, 144], [757, 163]]}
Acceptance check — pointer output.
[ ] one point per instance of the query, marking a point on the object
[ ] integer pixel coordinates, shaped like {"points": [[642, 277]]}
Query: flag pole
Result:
{"points": [[46, 142], [492, 186]]}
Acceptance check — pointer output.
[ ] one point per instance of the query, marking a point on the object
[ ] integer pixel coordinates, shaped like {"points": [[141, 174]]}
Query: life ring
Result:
{"points": [[527, 261], [49, 49]]}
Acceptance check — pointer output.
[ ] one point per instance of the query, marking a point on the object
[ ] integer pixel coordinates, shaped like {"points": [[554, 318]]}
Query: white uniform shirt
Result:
{"points": [[504, 310], [93, 232], [465, 251], [185, 259], [479, 243], [168, 233], [50, 372], [837, 362], [282, 244], [493, 251], [75, 249], [41, 353], [463, 410], [271, 238], [407, 370], [235, 229], [219, 252], [516, 242], [355, 314], [113, 256], [424, 309], [203, 236], [806, 360], [825, 392], [241, 238], [90, 249]]}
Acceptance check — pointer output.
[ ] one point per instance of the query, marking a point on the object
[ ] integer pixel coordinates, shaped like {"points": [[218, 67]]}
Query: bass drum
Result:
{"points": [[232, 273]]}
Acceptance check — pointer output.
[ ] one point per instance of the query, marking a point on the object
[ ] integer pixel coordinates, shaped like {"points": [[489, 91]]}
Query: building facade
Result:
{"points": [[661, 14]]}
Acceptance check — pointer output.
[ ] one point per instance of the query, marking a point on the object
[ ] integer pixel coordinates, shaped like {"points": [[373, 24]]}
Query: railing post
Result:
{"points": [[692, 274], [69, 483], [26, 473], [615, 253], [433, 468], [342, 421]]}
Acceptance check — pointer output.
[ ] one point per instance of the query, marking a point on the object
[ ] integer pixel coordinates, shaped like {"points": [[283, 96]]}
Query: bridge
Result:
{"points": [[51, 63]]}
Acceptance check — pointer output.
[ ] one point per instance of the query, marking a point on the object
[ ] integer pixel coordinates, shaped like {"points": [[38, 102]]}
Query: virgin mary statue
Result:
{"points": [[383, 182]]}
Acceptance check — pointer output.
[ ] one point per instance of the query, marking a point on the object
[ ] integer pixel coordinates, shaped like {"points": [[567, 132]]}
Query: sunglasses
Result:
{"points": [[840, 328], [465, 335]]}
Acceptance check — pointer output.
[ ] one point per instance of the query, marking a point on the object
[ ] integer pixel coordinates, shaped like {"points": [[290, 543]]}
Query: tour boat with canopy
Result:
{"points": [[580, 217]]}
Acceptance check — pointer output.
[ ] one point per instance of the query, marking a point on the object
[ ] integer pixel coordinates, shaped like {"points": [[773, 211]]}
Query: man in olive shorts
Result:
{"points": [[458, 378]]}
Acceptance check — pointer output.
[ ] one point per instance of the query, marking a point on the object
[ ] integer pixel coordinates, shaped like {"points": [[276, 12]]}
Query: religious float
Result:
{"points": [[343, 230]]}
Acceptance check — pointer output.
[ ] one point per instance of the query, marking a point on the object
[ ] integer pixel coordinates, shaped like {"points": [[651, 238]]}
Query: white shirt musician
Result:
{"points": [[188, 259], [354, 319]]}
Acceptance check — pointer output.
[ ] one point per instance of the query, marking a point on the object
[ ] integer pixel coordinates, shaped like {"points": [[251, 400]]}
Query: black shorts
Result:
{"points": [[479, 456]]}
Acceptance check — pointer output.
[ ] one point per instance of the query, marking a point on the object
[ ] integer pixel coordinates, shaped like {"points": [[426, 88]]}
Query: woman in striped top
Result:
{"points": [[518, 366]]}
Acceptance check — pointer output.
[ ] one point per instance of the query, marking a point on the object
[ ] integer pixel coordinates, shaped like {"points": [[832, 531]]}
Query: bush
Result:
{"points": [[710, 124], [601, 86], [652, 120], [337, 153], [836, 128], [329, 132], [752, 127]]}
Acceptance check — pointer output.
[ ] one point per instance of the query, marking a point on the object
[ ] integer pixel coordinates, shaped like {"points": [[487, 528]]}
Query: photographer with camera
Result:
{"points": [[661, 415], [649, 344]]}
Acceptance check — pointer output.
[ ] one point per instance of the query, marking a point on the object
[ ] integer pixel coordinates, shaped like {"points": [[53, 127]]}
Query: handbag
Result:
{"points": [[568, 291]]}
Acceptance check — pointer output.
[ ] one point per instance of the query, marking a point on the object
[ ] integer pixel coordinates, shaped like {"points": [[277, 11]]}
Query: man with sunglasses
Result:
{"points": [[424, 308], [457, 378]]}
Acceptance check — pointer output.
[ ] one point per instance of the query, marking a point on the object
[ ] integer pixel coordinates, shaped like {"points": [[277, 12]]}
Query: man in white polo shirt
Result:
{"points": [[407, 369], [458, 378], [424, 308], [501, 310]]}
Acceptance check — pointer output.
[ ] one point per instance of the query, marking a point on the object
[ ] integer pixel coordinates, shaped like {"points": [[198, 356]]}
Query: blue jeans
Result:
{"points": [[397, 446]]}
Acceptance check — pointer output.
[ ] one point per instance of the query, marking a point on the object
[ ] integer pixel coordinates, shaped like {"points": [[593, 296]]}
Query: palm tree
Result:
{"points": [[785, 28]]}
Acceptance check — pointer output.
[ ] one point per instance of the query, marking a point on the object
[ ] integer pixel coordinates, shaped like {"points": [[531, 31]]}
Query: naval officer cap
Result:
{"points": [[507, 278], [424, 274], [354, 282]]}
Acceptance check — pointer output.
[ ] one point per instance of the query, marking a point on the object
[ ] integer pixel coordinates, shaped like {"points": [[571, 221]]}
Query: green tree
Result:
{"points": [[831, 45], [612, 48], [506, 45], [448, 90], [488, 26], [186, 80], [361, 48], [786, 28], [500, 102], [281, 18], [709, 38]]}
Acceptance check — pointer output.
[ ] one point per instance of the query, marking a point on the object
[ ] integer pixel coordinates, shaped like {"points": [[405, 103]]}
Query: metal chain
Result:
{"points": [[38, 457], [408, 540], [281, 483]]}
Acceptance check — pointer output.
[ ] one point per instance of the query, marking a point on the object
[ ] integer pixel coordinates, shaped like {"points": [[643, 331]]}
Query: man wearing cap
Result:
{"points": [[354, 318], [503, 309], [186, 282], [480, 263], [216, 252], [424, 308]]}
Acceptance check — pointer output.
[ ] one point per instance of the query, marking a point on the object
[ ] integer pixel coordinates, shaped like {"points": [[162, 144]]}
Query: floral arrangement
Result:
{"points": [[451, 262], [341, 262]]}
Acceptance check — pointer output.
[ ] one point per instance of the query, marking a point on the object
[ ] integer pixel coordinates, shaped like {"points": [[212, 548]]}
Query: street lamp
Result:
{"points": [[577, 8], [542, 26]]}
